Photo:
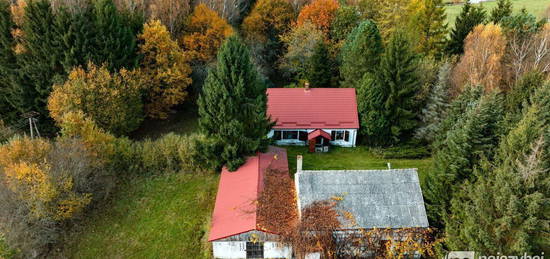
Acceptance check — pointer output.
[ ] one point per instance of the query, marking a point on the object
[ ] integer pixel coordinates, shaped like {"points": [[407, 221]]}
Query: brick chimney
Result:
{"points": [[306, 86]]}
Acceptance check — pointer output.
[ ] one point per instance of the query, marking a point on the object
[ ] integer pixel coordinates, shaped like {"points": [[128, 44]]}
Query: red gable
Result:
{"points": [[316, 108], [235, 208]]}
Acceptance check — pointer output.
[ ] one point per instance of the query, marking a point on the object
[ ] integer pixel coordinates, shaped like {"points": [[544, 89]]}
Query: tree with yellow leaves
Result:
{"points": [[427, 22], [112, 100], [392, 15], [164, 70], [43, 185], [268, 19], [481, 64], [204, 33]]}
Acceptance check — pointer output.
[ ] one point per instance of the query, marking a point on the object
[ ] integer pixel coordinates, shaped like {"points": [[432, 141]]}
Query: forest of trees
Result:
{"points": [[476, 93]]}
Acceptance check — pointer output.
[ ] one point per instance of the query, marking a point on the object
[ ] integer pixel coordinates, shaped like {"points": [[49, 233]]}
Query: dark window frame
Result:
{"points": [[254, 250]]}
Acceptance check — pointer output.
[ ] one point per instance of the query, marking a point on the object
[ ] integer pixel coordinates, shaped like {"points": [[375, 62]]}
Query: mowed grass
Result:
{"points": [[535, 7], [352, 158], [156, 217]]}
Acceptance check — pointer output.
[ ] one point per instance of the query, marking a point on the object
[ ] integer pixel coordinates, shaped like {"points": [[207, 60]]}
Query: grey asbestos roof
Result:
{"points": [[376, 198]]}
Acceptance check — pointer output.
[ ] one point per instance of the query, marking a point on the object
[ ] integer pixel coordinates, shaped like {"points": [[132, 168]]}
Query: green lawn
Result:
{"points": [[536, 7], [162, 217], [352, 158]]}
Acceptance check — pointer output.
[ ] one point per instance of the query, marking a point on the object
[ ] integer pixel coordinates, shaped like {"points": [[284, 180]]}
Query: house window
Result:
{"points": [[291, 134], [277, 135], [303, 135], [340, 135], [254, 250]]}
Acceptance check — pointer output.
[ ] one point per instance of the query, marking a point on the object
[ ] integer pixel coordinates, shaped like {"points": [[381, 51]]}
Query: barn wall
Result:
{"points": [[229, 249]]}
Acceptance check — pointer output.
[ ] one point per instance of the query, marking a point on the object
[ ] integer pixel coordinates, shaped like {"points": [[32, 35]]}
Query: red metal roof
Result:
{"points": [[317, 133], [316, 108], [235, 207]]}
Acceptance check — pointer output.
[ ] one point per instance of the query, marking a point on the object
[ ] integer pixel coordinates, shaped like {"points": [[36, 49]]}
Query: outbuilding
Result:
{"points": [[236, 231]]}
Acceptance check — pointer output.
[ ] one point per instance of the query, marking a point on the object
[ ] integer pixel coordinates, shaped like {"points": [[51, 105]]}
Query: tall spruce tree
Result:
{"points": [[371, 95], [398, 73], [436, 106], [232, 106], [40, 61], [115, 41], [506, 209], [469, 17], [80, 39], [503, 9], [473, 137], [360, 53], [320, 66], [7, 63]]}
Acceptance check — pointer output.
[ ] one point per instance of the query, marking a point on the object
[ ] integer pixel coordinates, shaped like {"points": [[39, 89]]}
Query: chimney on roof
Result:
{"points": [[298, 163], [306, 85]]}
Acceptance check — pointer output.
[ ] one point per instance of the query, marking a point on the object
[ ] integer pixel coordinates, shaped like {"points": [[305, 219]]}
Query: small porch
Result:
{"points": [[318, 140]]}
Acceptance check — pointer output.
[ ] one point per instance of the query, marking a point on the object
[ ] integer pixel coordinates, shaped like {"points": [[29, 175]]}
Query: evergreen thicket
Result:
{"points": [[232, 106], [7, 64], [320, 67], [503, 9]]}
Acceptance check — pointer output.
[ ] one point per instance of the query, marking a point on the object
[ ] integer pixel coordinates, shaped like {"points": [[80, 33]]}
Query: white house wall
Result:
{"points": [[237, 250], [341, 143], [229, 249]]}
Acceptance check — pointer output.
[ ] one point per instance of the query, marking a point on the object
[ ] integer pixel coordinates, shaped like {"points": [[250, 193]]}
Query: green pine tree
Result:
{"points": [[473, 137], [79, 40], [40, 63], [320, 69], [375, 126], [115, 42], [398, 73], [469, 17], [506, 209], [8, 64], [232, 106], [360, 53], [503, 9]]}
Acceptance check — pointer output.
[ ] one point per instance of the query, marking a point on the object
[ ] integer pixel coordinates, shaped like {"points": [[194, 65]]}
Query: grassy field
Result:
{"points": [[352, 158], [162, 217], [536, 7]]}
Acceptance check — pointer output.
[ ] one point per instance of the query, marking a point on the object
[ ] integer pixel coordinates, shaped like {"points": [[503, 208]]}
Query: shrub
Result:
{"points": [[43, 186]]}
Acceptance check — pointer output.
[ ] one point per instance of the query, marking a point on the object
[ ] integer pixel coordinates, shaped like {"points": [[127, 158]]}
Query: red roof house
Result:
{"points": [[234, 220], [300, 111]]}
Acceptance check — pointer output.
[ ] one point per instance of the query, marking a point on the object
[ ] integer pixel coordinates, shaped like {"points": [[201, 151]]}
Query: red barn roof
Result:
{"points": [[316, 108], [235, 207]]}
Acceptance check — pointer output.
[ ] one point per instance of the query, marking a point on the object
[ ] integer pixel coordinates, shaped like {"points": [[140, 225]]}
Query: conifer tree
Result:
{"points": [[503, 9], [474, 136], [428, 21], [347, 18], [436, 106], [505, 209], [116, 38], [469, 17], [7, 63], [360, 53], [40, 60], [320, 70], [232, 106], [398, 73], [370, 105], [79, 40]]}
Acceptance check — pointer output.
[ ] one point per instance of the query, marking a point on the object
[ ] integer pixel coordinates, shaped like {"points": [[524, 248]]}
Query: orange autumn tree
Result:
{"points": [[320, 13], [205, 32], [164, 70], [481, 64], [268, 18]]}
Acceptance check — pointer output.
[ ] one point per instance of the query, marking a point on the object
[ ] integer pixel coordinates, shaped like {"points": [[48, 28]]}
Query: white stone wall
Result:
{"points": [[276, 250]]}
